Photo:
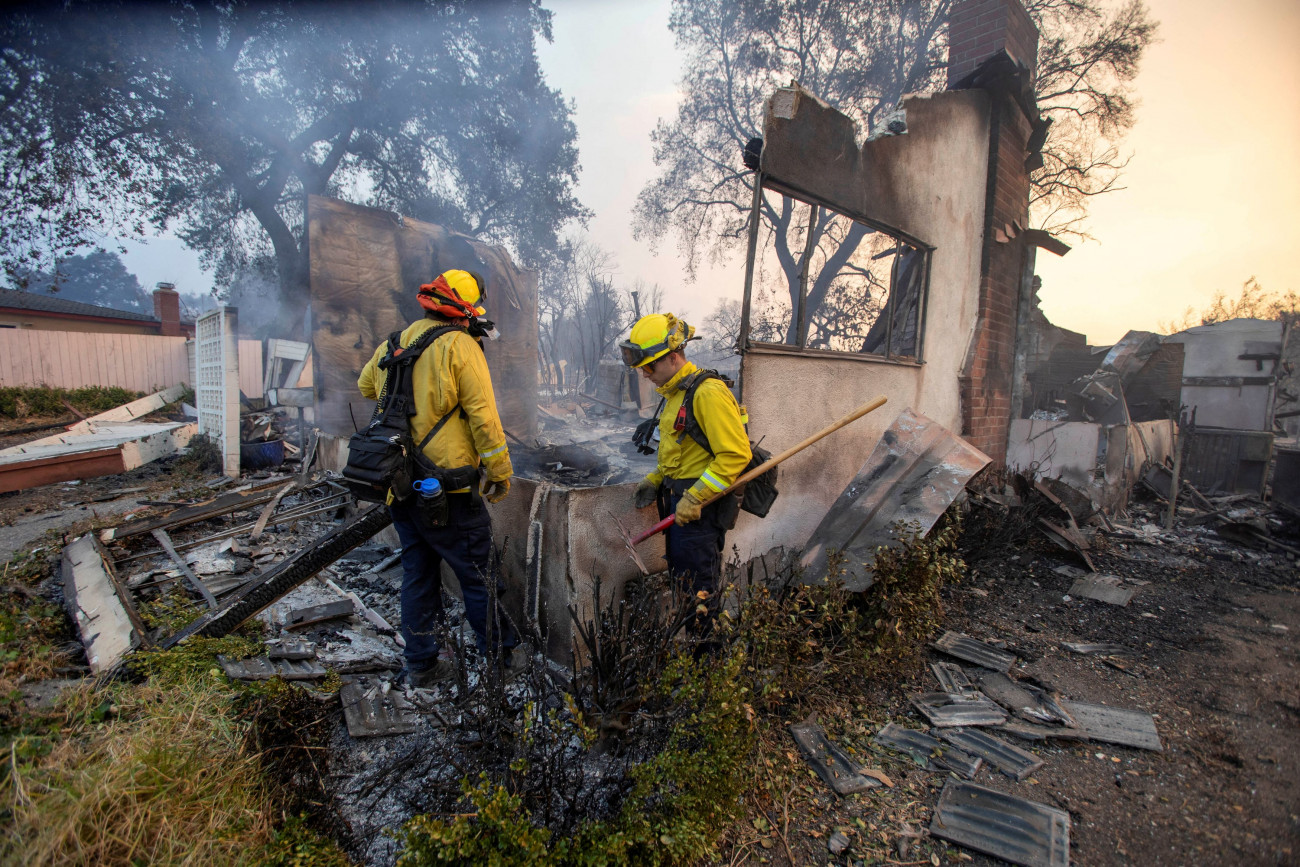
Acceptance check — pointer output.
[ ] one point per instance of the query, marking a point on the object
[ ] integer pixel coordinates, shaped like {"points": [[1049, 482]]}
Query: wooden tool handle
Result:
{"points": [[757, 471]]}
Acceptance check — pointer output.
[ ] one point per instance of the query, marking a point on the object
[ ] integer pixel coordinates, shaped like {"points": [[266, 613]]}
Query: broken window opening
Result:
{"points": [[823, 280]]}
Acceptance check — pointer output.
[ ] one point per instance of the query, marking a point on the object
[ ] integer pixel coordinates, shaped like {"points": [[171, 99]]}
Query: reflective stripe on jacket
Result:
{"points": [[718, 415], [450, 376]]}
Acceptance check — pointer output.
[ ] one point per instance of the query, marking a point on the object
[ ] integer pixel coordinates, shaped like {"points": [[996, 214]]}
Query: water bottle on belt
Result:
{"points": [[432, 502]]}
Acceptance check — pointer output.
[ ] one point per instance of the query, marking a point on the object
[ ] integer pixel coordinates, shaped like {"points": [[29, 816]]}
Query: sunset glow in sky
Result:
{"points": [[1210, 198]]}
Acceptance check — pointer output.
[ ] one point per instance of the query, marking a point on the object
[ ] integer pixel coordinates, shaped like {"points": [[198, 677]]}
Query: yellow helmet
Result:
{"points": [[455, 294], [653, 337]]}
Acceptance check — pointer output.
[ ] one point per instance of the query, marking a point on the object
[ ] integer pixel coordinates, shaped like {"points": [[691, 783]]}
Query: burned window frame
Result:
{"points": [[799, 313]]}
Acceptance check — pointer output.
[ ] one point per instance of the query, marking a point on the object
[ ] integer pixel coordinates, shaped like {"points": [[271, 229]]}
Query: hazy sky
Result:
{"points": [[1211, 196]]}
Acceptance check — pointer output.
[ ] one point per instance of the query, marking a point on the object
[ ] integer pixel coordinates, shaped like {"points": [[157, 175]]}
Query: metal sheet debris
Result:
{"points": [[1105, 648], [945, 709], [1010, 760], [1004, 826], [972, 650], [1114, 725], [291, 648], [831, 764], [916, 471], [264, 668], [1028, 702], [952, 678], [304, 617], [926, 750], [371, 709], [1034, 732], [1103, 588]]}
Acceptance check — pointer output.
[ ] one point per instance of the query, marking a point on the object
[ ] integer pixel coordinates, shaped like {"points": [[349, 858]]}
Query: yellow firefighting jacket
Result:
{"points": [[720, 417], [450, 376]]}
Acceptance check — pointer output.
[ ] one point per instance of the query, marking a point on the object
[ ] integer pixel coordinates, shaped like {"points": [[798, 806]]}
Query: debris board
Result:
{"points": [[916, 471], [1029, 702], [1114, 725], [830, 763], [1103, 588], [103, 622], [304, 617], [106, 450], [370, 711], [1033, 732], [952, 678], [1102, 649], [925, 750], [292, 648], [264, 668], [1004, 826], [223, 505], [972, 650], [1011, 760], [944, 709], [133, 410]]}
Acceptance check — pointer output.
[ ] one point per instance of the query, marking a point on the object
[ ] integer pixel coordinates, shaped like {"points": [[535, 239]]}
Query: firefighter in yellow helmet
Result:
{"points": [[461, 437], [703, 449]]}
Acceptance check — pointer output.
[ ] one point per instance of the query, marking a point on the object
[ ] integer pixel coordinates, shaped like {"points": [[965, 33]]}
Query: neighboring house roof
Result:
{"points": [[38, 303]]}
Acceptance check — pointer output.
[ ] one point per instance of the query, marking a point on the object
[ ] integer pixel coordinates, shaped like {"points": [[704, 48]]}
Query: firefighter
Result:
{"points": [[703, 449], [456, 420]]}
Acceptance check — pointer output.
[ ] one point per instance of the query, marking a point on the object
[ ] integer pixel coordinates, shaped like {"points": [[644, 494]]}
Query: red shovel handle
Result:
{"points": [[657, 528]]}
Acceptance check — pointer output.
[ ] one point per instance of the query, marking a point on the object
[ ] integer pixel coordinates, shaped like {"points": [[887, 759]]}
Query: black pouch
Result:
{"points": [[760, 493]]}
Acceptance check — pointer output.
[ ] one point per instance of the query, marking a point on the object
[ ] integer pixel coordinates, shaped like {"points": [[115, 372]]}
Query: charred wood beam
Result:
{"points": [[286, 575]]}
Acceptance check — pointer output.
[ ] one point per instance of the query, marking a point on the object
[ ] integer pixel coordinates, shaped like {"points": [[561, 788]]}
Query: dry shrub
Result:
{"points": [[163, 781]]}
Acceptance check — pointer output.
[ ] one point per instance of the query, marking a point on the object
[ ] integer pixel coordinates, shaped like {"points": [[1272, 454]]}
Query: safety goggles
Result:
{"points": [[635, 356]]}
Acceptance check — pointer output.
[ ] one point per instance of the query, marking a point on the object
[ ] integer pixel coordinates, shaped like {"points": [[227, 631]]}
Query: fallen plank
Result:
{"points": [[222, 505], [133, 410], [160, 536], [1004, 826], [108, 627], [915, 472], [301, 618]]}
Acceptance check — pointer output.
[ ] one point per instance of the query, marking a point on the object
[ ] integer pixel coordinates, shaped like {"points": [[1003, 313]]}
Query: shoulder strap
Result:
{"points": [[693, 428], [397, 401]]}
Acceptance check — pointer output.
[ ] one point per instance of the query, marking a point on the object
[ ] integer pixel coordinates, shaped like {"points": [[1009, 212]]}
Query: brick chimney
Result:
{"points": [[979, 30], [167, 309]]}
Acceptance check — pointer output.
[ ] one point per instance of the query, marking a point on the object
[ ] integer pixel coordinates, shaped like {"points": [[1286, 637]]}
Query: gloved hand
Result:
{"points": [[495, 491], [688, 508], [646, 493]]}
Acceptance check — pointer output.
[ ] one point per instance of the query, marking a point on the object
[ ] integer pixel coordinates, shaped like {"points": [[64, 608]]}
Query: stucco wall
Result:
{"points": [[936, 175], [1212, 351]]}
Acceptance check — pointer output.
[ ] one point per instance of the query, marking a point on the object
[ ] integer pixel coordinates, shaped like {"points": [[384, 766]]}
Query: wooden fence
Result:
{"points": [[139, 362]]}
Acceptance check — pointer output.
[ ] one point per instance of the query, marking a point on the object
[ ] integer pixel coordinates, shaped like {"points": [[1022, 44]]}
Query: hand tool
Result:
{"points": [[633, 541]]}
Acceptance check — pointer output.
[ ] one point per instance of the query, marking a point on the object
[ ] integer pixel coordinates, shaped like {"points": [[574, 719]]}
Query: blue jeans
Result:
{"points": [[465, 543]]}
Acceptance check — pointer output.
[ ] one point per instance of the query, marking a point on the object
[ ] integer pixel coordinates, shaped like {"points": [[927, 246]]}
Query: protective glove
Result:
{"points": [[646, 493], [495, 491], [688, 508]]}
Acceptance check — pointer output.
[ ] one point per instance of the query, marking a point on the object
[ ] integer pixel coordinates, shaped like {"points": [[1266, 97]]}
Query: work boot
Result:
{"points": [[442, 671]]}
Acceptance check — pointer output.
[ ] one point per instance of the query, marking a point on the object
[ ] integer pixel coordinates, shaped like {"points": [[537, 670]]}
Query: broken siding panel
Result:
{"points": [[250, 368]]}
